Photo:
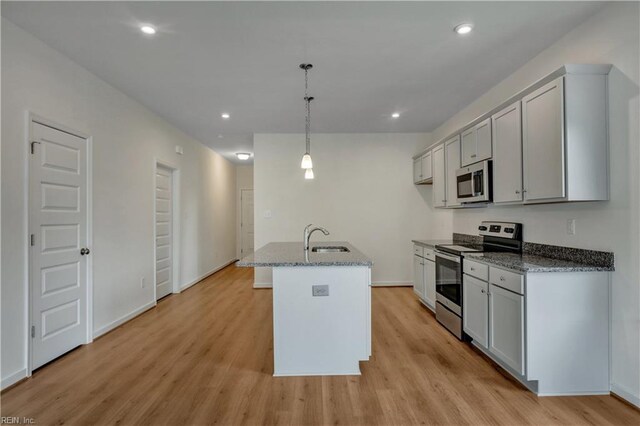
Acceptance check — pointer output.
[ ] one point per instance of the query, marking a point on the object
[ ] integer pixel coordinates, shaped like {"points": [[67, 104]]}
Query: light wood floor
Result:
{"points": [[206, 357]]}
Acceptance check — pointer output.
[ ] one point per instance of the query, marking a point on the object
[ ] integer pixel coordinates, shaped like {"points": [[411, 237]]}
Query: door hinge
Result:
{"points": [[33, 331], [32, 240], [33, 146]]}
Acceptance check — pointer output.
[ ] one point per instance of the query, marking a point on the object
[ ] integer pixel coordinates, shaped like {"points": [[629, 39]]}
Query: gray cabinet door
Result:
{"points": [[507, 155], [452, 155], [475, 315], [430, 282], [483, 140], [417, 170], [439, 176], [418, 276], [506, 327], [543, 142], [468, 146], [426, 166]]}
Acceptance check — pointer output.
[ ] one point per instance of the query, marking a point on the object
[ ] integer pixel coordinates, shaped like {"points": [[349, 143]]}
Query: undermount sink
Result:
{"points": [[330, 249]]}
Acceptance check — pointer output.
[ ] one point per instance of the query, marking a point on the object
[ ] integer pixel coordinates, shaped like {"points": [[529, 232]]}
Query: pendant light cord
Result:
{"points": [[307, 100]]}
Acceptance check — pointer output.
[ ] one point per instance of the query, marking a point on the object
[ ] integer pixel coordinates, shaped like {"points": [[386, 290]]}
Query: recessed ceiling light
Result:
{"points": [[395, 115], [225, 116], [243, 155], [147, 29], [463, 29]]}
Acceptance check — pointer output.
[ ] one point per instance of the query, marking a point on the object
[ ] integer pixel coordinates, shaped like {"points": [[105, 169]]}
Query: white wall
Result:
{"points": [[244, 180], [611, 36], [363, 193], [126, 138]]}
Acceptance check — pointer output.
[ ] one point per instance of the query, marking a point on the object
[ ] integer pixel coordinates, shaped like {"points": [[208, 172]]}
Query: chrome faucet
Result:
{"points": [[308, 232]]}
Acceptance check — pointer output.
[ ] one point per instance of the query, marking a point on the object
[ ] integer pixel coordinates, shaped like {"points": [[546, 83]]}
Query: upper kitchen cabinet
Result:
{"points": [[427, 174], [422, 169], [476, 143], [452, 160], [439, 176], [565, 141], [417, 170], [507, 154]]}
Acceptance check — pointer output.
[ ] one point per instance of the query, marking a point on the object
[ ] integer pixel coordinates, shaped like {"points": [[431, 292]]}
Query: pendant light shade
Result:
{"points": [[306, 161], [308, 174]]}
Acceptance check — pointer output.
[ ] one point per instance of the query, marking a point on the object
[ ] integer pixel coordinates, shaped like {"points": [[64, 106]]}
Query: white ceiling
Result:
{"points": [[370, 58]]}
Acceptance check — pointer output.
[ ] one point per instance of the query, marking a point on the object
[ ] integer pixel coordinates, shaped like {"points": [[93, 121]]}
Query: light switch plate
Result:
{"points": [[571, 227], [179, 150], [320, 290]]}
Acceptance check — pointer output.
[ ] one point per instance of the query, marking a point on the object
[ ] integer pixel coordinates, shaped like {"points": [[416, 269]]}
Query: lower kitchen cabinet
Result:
{"points": [[550, 330], [418, 276], [506, 327], [475, 318], [430, 283], [424, 276]]}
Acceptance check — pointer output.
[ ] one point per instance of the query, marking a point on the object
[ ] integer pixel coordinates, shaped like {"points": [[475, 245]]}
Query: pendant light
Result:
{"points": [[306, 158]]}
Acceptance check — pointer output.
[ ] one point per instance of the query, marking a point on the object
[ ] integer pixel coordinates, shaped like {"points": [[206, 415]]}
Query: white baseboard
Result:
{"points": [[106, 328], [625, 394], [202, 277], [392, 283], [586, 393], [262, 285], [13, 378]]}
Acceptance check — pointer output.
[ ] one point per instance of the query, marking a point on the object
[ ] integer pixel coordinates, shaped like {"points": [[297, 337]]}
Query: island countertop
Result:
{"points": [[292, 254]]}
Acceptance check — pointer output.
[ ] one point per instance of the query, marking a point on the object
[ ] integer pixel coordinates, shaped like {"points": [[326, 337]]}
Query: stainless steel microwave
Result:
{"points": [[474, 183]]}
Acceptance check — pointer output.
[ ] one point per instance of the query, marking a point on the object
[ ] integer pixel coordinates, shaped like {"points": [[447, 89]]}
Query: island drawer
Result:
{"points": [[476, 269], [418, 250], [507, 280]]}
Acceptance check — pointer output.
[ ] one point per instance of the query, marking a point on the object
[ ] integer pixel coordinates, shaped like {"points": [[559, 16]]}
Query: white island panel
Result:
{"points": [[321, 335]]}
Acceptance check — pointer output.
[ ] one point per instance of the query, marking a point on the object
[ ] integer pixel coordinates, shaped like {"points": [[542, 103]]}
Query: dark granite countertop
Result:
{"points": [[533, 263], [292, 254], [431, 243]]}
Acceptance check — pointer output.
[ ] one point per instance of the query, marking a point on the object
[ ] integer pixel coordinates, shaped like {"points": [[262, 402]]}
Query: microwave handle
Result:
{"points": [[473, 184]]}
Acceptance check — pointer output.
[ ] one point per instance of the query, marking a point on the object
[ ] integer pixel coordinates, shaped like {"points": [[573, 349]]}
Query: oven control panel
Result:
{"points": [[501, 229]]}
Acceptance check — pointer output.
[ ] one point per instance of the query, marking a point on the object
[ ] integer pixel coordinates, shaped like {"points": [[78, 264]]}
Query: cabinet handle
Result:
{"points": [[473, 156], [472, 268], [482, 290], [501, 278], [524, 190], [517, 191]]}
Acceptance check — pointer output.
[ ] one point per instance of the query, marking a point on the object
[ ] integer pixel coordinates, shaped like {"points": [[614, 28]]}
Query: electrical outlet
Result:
{"points": [[320, 290], [267, 214], [571, 227], [143, 284]]}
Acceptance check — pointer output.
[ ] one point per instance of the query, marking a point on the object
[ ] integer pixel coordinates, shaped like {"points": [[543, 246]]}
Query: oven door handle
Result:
{"points": [[448, 256]]}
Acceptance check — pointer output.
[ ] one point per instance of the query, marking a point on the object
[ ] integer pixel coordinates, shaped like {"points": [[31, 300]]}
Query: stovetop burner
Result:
{"points": [[496, 236]]}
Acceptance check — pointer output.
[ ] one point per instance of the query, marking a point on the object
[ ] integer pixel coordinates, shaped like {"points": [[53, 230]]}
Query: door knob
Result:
{"points": [[84, 251]]}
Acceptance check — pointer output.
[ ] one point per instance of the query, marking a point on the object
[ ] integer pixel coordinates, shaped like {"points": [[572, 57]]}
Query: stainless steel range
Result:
{"points": [[496, 236]]}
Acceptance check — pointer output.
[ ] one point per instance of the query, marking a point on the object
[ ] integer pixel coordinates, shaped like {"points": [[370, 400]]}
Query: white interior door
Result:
{"points": [[164, 231], [58, 233], [246, 223]]}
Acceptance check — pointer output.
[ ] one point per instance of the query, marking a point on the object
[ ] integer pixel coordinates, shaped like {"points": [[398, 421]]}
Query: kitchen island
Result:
{"points": [[321, 307]]}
